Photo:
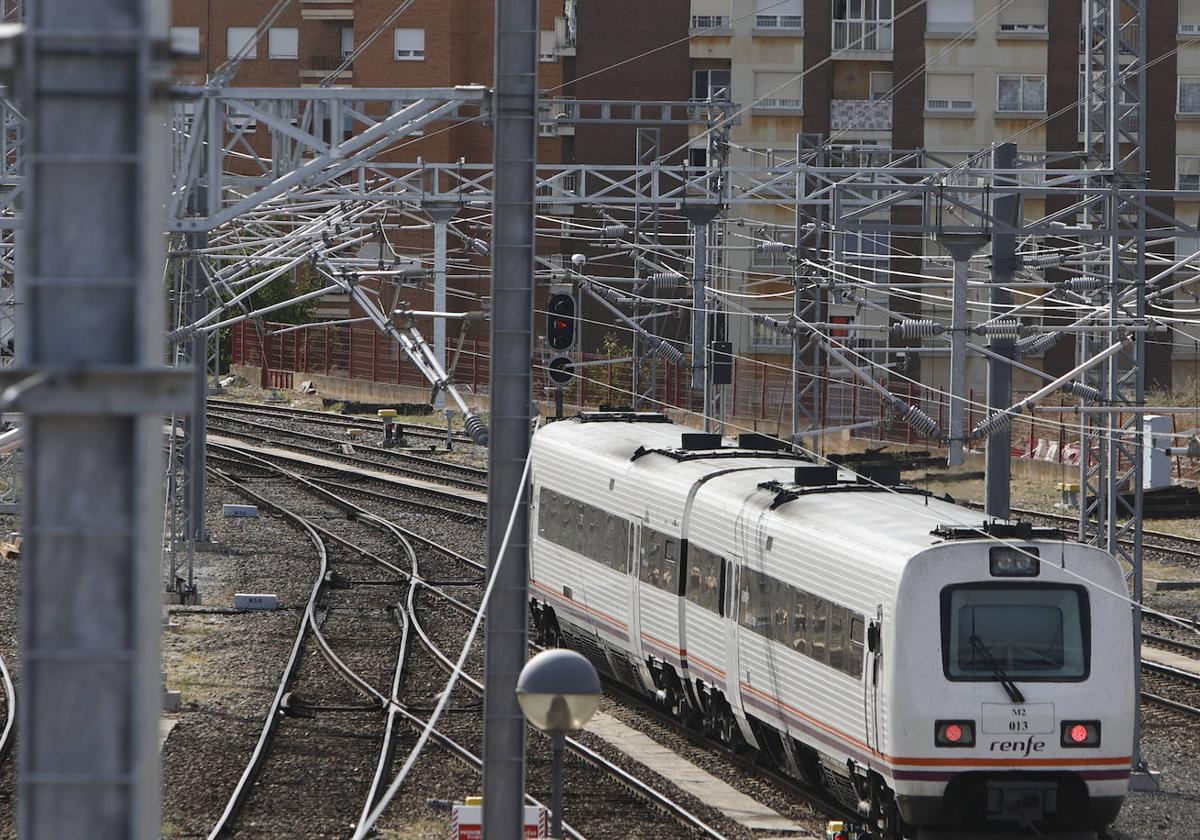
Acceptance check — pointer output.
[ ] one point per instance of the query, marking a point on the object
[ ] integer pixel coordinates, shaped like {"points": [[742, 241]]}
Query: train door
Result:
{"points": [[733, 691], [872, 681], [635, 613]]}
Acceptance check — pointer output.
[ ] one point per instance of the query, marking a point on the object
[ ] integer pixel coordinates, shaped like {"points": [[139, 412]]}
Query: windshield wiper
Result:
{"points": [[1010, 688]]}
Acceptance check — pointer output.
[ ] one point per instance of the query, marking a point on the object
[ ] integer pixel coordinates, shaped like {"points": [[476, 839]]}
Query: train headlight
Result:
{"points": [[1014, 562], [1081, 733], [954, 733]]}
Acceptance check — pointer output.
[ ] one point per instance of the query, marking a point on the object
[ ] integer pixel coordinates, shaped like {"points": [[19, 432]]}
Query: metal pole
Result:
{"points": [[998, 472], [195, 425], [510, 390], [958, 361], [440, 214], [961, 247], [557, 740], [94, 391], [700, 216]]}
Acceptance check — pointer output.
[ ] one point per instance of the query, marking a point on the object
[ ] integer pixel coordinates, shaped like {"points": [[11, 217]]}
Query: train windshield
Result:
{"points": [[1032, 631]]}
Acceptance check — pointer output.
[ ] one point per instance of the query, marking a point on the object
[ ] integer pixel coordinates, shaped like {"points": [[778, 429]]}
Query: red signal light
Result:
{"points": [[1079, 733], [954, 733]]}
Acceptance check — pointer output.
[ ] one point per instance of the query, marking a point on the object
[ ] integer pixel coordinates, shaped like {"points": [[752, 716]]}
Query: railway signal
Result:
{"points": [[560, 321]]}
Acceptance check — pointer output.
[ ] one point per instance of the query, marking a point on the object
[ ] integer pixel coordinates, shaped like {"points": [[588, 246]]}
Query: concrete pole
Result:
{"points": [[510, 391], [998, 471], [91, 382], [960, 248], [700, 216], [440, 214]]}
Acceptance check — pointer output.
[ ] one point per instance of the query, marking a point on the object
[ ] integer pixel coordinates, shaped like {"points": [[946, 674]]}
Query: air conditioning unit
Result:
{"points": [[1189, 29], [547, 129]]}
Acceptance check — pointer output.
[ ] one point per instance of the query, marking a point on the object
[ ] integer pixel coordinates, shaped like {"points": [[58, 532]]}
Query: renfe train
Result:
{"points": [[934, 676]]}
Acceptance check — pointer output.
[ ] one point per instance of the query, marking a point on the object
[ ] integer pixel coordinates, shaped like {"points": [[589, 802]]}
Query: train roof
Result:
{"points": [[827, 506]]}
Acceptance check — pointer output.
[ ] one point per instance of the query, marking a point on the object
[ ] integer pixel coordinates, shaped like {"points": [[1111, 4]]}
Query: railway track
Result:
{"points": [[385, 460], [8, 725], [422, 498], [420, 584], [1161, 542], [325, 418]]}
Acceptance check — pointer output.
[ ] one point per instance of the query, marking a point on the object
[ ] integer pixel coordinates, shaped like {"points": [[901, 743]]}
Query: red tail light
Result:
{"points": [[954, 733], [1080, 733]]}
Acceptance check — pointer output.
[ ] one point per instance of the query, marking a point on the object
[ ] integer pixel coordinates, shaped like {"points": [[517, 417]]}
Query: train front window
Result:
{"points": [[1033, 631]]}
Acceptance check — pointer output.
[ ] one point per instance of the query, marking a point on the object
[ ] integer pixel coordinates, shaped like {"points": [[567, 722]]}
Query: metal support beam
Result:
{"points": [[196, 423], [510, 389], [440, 215], [700, 216], [961, 248], [998, 471], [91, 354]]}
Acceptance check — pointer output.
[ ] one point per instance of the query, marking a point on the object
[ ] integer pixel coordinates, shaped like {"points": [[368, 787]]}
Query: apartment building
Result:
{"points": [[947, 76], [434, 43]]}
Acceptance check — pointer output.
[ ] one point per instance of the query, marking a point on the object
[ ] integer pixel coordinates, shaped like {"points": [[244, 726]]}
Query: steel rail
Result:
{"points": [[1168, 642], [240, 791], [324, 417], [1168, 703], [366, 447], [463, 483], [631, 782], [10, 711], [237, 799], [622, 776]]}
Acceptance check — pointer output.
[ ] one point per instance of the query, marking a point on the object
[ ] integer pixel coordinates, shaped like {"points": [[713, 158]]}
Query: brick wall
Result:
{"points": [[818, 80], [908, 62]]}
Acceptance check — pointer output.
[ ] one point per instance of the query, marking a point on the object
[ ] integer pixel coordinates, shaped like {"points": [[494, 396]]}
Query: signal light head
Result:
{"points": [[1080, 733], [954, 733], [560, 321]]}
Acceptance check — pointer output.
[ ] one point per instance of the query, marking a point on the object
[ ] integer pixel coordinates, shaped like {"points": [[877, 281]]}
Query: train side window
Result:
{"points": [[593, 545], [756, 602], [818, 627], [698, 591], [837, 637], [799, 639], [729, 589], [652, 557], [854, 660], [748, 585], [669, 579], [543, 502], [616, 543], [781, 608]]}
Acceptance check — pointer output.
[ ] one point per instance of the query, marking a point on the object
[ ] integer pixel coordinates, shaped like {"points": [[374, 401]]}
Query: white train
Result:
{"points": [[863, 640]]}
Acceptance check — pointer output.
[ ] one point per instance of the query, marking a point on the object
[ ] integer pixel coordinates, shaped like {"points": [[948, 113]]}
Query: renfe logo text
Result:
{"points": [[1023, 747]]}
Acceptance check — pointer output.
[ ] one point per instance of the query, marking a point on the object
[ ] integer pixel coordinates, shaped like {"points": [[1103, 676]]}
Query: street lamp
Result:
{"points": [[558, 691]]}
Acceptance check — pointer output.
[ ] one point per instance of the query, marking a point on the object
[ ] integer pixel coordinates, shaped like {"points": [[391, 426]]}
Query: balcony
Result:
{"points": [[564, 34], [862, 35], [327, 9], [861, 115], [779, 106], [710, 25], [779, 25], [320, 66]]}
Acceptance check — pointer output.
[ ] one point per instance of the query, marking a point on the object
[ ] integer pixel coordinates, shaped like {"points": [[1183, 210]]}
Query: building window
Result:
{"points": [[950, 15], [548, 46], [947, 93], [1189, 95], [283, 42], [881, 85], [711, 84], [347, 41], [1187, 172], [1022, 18], [765, 337], [1021, 94], [778, 91], [410, 44], [779, 14], [239, 39], [862, 25], [185, 40]]}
